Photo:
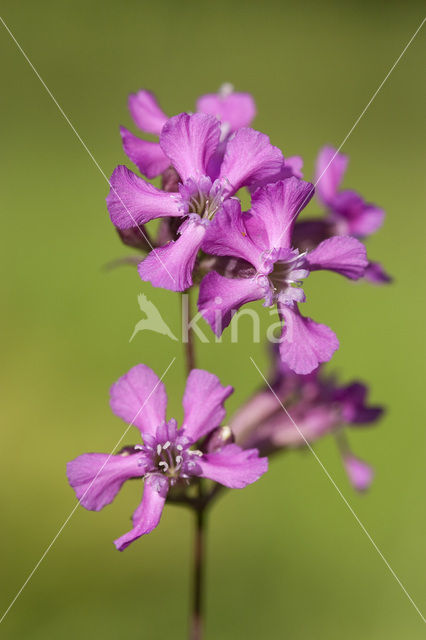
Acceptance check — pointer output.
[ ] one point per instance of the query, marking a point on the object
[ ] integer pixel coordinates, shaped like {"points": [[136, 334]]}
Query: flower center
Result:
{"points": [[284, 271], [169, 459], [202, 198]]}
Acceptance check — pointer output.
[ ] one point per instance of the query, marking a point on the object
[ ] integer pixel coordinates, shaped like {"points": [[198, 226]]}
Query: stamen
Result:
{"points": [[226, 89]]}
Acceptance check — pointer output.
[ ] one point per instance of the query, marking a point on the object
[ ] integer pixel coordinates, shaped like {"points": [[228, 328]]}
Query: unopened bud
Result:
{"points": [[219, 438], [135, 237], [129, 450]]}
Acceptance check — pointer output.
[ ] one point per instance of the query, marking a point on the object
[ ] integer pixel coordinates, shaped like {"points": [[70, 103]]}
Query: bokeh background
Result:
{"points": [[286, 559]]}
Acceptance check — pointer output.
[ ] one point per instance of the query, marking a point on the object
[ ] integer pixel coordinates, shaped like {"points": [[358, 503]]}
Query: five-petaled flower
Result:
{"points": [[270, 268], [167, 455]]}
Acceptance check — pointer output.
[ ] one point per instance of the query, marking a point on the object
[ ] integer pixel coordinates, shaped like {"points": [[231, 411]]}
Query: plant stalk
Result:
{"points": [[196, 632], [187, 335], [198, 507]]}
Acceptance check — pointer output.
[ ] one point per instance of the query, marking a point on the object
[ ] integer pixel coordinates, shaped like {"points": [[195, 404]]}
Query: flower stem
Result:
{"points": [[198, 576], [189, 344], [199, 507]]}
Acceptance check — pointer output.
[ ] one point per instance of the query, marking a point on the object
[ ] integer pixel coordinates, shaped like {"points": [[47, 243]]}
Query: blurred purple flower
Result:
{"points": [[318, 405], [347, 213], [351, 214]]}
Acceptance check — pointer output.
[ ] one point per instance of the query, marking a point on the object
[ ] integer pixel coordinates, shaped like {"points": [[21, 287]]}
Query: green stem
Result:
{"points": [[198, 575], [198, 507], [189, 344]]}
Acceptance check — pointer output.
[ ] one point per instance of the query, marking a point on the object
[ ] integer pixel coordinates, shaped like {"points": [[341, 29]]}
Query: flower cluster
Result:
{"points": [[318, 406], [205, 238], [205, 159]]}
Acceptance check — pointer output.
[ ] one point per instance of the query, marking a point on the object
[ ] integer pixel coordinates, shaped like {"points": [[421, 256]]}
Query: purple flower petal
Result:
{"points": [[352, 400], [232, 466], [139, 398], [376, 274], [190, 142], [250, 414], [291, 167], [295, 164], [276, 207], [361, 218], [249, 159], [235, 109], [305, 343], [330, 169], [132, 201], [147, 156], [148, 514], [227, 235], [146, 113], [203, 404], [97, 477], [359, 472], [342, 254], [171, 266], [314, 423], [221, 297]]}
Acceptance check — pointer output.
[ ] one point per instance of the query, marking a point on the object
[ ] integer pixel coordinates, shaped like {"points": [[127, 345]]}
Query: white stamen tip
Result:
{"points": [[159, 448], [166, 444], [179, 447], [226, 89]]}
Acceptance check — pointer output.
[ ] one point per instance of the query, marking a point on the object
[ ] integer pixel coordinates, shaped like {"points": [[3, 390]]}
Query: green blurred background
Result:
{"points": [[286, 559]]}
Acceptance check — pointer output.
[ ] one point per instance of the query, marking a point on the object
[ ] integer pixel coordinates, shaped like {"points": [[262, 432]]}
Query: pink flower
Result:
{"points": [[167, 456], [347, 213], [272, 269], [347, 209], [318, 405], [190, 143]]}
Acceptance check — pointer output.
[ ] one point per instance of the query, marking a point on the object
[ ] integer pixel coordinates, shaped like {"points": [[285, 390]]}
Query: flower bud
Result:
{"points": [[219, 438], [135, 237]]}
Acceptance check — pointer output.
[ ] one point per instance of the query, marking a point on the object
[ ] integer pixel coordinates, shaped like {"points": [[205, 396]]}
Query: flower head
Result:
{"points": [[347, 213], [190, 143], [351, 214], [317, 404], [167, 455], [272, 269]]}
